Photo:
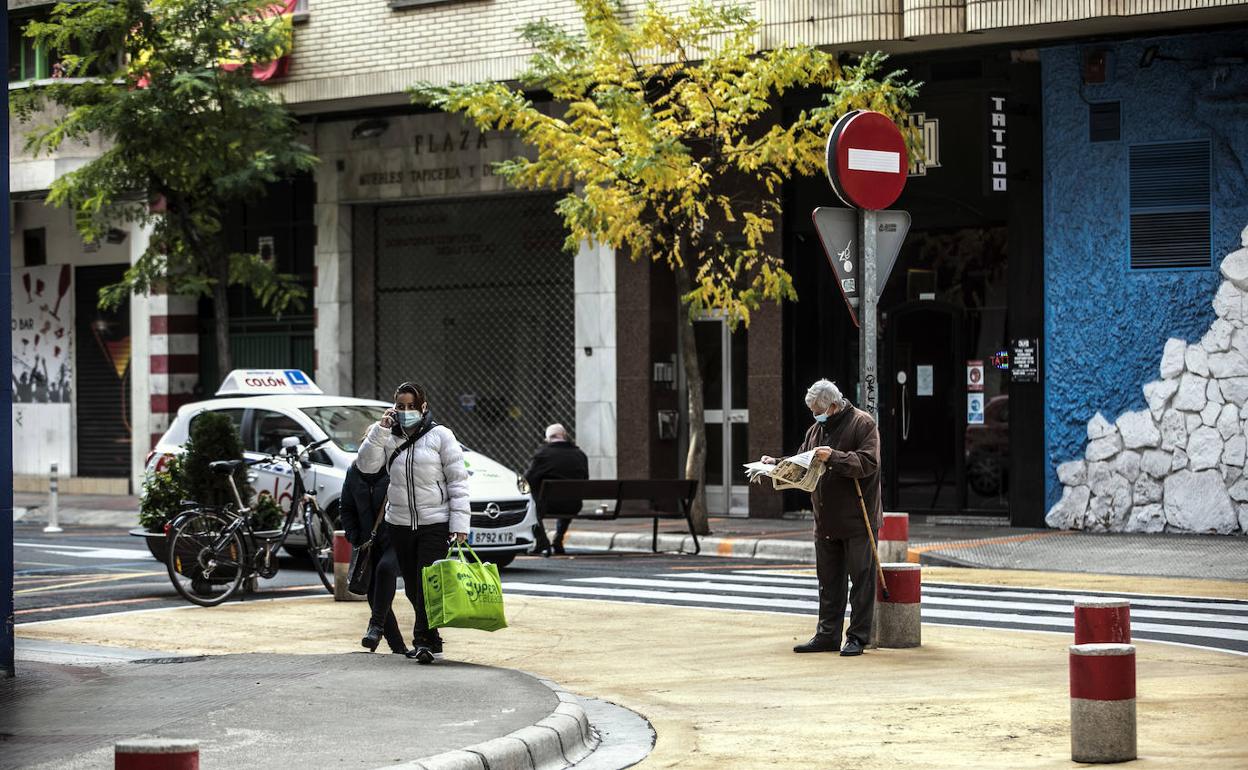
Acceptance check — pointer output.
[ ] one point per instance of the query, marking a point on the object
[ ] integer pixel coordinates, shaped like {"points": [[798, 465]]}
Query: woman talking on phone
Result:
{"points": [[427, 501]]}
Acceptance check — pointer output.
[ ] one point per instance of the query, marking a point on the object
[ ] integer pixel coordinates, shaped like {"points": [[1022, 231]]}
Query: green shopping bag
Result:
{"points": [[461, 594]]}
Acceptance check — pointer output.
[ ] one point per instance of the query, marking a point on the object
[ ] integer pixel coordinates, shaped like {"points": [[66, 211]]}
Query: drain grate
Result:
{"points": [[162, 661]]}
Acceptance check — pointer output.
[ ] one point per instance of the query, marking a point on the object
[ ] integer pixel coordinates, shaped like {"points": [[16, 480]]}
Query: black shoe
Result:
{"points": [[433, 642], [558, 549], [852, 647], [422, 655], [400, 650], [372, 638], [819, 643]]}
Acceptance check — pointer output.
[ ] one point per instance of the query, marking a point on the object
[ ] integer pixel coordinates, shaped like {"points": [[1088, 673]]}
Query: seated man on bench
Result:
{"points": [[558, 458]]}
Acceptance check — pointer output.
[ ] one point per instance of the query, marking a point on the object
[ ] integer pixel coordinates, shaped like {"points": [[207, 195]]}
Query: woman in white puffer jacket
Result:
{"points": [[427, 502]]}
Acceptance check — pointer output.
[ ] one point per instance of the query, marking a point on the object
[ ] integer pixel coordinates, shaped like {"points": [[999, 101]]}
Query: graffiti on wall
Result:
{"points": [[42, 327]]}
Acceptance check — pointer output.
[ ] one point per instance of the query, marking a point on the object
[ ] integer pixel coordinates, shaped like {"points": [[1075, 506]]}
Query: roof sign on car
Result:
{"points": [[261, 382]]}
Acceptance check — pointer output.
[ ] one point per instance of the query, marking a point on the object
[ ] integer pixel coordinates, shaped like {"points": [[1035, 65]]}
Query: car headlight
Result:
{"points": [[522, 485]]}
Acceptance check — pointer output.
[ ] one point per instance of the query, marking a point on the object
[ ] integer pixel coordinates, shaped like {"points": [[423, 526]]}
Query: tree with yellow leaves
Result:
{"points": [[666, 134]]}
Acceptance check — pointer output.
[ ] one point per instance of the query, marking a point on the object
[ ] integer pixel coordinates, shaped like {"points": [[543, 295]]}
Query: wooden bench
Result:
{"points": [[667, 498]]}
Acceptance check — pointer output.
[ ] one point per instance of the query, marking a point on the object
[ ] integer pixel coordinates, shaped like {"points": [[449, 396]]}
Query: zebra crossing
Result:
{"points": [[1216, 624]]}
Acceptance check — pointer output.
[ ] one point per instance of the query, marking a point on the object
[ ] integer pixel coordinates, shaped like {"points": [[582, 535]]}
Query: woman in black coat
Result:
{"points": [[363, 494]]}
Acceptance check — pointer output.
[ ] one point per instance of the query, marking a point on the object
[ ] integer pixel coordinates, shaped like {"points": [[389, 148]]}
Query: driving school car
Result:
{"points": [[267, 406]]}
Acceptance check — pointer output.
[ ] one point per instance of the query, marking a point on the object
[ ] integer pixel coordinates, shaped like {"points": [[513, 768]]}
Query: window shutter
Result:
{"points": [[1105, 121], [1170, 188]]}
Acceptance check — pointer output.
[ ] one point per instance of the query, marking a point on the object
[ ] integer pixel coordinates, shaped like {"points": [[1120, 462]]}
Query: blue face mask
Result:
{"points": [[821, 418], [408, 419]]}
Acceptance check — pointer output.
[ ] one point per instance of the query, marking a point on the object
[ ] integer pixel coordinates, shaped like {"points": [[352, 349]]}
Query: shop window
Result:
{"points": [[1104, 121], [34, 247], [1170, 224]]}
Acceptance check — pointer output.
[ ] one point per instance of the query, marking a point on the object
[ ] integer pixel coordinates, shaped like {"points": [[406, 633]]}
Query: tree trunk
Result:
{"points": [[695, 460], [221, 318]]}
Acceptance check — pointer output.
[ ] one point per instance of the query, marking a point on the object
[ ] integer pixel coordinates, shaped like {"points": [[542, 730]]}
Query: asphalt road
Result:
{"points": [[86, 571]]}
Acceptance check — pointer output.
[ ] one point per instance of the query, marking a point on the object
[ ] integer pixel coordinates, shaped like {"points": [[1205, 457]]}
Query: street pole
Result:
{"points": [[6, 398], [867, 378]]}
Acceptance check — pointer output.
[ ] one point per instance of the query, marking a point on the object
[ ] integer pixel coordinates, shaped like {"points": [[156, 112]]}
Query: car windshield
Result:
{"points": [[345, 425]]}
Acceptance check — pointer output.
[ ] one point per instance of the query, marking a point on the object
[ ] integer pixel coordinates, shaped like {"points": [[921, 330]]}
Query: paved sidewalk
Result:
{"points": [[961, 544], [70, 703]]}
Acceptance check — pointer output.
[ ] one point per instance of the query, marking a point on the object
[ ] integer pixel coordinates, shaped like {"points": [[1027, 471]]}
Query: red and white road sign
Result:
{"points": [[866, 160]]}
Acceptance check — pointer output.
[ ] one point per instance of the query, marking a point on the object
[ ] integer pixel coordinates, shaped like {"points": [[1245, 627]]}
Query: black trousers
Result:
{"points": [[837, 562], [417, 549], [381, 591]]}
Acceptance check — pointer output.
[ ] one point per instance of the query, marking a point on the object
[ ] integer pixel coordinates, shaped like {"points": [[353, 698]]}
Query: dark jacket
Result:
{"points": [[855, 443], [362, 497], [557, 460]]}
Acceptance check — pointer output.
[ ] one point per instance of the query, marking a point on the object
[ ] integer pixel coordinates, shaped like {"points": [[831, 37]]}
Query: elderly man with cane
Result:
{"points": [[846, 499]]}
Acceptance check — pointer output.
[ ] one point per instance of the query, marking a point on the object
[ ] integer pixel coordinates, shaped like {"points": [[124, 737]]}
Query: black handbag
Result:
{"points": [[360, 570]]}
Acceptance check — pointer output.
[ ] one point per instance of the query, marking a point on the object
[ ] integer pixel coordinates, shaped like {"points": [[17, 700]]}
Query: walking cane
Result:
{"points": [[879, 570]]}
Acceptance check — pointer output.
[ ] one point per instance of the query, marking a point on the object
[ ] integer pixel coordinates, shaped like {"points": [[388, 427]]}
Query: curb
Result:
{"points": [[560, 740], [739, 548]]}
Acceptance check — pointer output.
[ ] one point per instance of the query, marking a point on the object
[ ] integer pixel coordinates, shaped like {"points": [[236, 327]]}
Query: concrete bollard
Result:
{"points": [[156, 754], [1102, 621], [899, 618], [1102, 703], [342, 566], [894, 543], [54, 502]]}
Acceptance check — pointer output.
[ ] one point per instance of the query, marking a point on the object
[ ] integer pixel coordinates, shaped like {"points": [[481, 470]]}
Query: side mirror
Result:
{"points": [[290, 442]]}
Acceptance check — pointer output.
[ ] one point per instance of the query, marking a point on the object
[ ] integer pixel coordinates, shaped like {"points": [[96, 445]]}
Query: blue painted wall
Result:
{"points": [[1105, 325]]}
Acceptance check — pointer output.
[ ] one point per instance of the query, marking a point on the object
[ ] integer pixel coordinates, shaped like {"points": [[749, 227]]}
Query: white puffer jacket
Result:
{"points": [[428, 478]]}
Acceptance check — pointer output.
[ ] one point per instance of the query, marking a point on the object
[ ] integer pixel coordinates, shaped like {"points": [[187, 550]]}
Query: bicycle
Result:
{"points": [[213, 550]]}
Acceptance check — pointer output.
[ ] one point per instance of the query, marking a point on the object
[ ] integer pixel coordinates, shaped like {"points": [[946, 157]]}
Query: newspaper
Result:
{"points": [[800, 471]]}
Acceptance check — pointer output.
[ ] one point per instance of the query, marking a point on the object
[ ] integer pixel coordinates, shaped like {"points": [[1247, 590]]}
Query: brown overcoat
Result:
{"points": [[855, 443]]}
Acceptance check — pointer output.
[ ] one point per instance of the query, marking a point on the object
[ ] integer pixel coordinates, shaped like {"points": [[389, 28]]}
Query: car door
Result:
{"points": [[265, 430]]}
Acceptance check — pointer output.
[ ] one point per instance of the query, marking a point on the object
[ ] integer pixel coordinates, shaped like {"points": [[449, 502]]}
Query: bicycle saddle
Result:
{"points": [[226, 467]]}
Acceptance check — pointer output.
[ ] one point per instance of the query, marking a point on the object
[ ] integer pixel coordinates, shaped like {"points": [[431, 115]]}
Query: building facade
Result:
{"points": [[1011, 311]]}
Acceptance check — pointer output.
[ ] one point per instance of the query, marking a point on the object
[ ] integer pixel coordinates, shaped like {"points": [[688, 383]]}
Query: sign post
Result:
{"points": [[6, 427], [867, 166]]}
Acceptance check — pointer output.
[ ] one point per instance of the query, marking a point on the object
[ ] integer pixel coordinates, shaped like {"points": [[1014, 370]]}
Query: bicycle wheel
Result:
{"points": [[320, 534], [206, 566]]}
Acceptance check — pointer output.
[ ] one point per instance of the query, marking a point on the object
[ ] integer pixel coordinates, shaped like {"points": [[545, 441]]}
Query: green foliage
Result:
{"points": [[162, 496], [213, 437], [266, 513], [177, 127], [666, 130]]}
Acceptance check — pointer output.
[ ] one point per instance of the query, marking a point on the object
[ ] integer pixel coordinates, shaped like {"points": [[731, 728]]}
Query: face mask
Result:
{"points": [[821, 418], [408, 419]]}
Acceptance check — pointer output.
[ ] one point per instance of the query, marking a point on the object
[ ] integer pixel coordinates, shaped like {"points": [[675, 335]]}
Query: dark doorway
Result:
{"points": [[102, 362]]}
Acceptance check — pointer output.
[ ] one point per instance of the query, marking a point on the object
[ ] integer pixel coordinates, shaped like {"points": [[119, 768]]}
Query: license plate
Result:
{"points": [[491, 538]]}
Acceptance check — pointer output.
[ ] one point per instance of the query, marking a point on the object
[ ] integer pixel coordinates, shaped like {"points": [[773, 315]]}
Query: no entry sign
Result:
{"points": [[866, 160]]}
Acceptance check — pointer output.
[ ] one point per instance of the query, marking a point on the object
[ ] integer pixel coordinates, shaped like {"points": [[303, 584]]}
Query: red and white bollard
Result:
{"points": [[894, 542], [898, 619], [1102, 621], [1102, 703], [156, 754], [342, 569]]}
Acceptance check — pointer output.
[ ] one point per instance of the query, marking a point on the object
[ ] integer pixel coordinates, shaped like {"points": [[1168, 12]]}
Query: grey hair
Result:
{"points": [[556, 432], [822, 395]]}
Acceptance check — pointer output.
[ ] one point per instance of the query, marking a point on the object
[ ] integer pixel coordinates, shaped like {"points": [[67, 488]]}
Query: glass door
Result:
{"points": [[722, 359]]}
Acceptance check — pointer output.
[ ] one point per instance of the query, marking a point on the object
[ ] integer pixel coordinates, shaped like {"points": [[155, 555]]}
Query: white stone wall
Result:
{"points": [[1177, 466]]}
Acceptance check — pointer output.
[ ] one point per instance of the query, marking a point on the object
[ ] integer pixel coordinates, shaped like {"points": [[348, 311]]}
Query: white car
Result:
{"points": [[268, 405]]}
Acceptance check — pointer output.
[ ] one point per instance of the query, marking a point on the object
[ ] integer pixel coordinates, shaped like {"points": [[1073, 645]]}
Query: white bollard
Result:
{"points": [[54, 503]]}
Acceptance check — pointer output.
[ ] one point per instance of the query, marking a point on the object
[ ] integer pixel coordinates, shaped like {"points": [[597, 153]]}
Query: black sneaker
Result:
{"points": [[372, 637], [422, 655], [434, 643]]}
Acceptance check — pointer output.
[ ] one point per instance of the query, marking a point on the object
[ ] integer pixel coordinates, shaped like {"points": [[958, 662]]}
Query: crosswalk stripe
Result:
{"points": [[635, 593], [1195, 622], [727, 589]]}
